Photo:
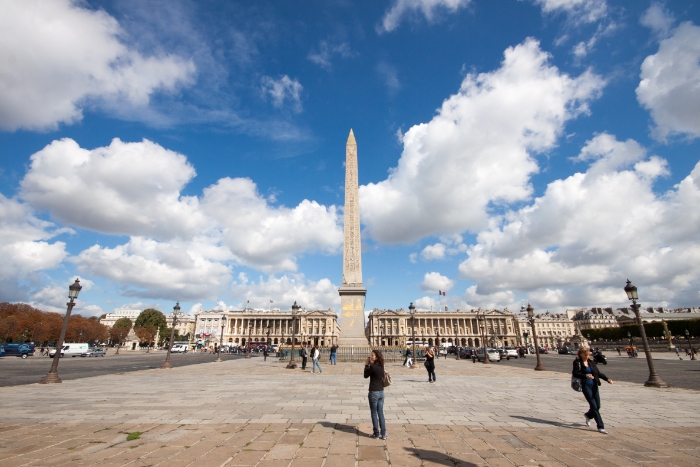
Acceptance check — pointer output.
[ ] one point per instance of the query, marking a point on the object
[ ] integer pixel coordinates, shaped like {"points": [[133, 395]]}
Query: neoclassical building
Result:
{"points": [[315, 327], [466, 328], [553, 330]]}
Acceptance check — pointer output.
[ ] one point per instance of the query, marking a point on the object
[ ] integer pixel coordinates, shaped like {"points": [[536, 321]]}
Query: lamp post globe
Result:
{"points": [[654, 380], [412, 310], [52, 376]]}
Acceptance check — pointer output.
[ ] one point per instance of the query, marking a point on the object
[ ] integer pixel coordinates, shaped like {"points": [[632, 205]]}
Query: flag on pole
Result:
{"points": [[440, 292]]}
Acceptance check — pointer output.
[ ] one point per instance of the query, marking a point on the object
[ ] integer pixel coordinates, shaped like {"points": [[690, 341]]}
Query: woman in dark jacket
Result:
{"points": [[374, 370], [430, 365], [587, 371]]}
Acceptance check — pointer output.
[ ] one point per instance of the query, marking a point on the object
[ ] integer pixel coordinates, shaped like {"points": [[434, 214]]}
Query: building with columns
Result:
{"points": [[184, 325], [553, 330], [465, 328], [315, 327]]}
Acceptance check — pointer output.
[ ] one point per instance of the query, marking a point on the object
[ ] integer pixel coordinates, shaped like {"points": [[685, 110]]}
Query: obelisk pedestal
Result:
{"points": [[352, 293]]}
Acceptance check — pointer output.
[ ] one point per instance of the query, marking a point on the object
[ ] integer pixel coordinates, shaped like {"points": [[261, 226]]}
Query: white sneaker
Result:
{"points": [[588, 420], [602, 430]]}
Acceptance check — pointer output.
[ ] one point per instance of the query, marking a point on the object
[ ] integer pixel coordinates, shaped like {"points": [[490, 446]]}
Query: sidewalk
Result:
{"points": [[247, 412]]}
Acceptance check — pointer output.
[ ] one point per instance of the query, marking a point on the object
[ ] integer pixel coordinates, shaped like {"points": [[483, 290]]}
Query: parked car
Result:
{"points": [[24, 350], [494, 356], [98, 352], [179, 348], [510, 352], [71, 349], [466, 353], [567, 351]]}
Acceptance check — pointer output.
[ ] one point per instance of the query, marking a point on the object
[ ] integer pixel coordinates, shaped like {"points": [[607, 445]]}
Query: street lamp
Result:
{"points": [[668, 335], [52, 376], [176, 311], [482, 326], [412, 310], [654, 379], [250, 333], [295, 309], [531, 316], [690, 347], [456, 340], [221, 338]]}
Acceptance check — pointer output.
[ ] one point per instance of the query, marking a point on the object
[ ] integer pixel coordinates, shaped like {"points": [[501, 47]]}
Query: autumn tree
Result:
{"points": [[146, 334], [152, 317], [119, 331]]}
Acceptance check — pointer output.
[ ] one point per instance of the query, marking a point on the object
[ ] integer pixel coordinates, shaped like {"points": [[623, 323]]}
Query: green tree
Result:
{"points": [[152, 317], [119, 331]]}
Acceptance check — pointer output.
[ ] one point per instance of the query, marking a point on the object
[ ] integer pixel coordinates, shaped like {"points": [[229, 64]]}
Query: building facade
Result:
{"points": [[315, 327], [464, 328], [184, 325], [132, 341], [553, 330], [595, 318]]}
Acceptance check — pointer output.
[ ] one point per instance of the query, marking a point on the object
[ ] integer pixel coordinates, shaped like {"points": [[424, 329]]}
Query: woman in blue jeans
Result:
{"points": [[374, 370], [587, 371]]}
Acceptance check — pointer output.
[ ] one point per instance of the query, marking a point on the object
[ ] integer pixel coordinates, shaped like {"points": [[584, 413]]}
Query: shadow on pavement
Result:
{"points": [[437, 457], [340, 427], [547, 422]]}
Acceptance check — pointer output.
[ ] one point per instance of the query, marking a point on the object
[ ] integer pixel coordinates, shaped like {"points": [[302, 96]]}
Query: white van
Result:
{"points": [[177, 348], [72, 349]]}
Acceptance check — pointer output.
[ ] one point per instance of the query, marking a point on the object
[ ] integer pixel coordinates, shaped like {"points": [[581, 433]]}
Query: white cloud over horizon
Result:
{"points": [[429, 9]]}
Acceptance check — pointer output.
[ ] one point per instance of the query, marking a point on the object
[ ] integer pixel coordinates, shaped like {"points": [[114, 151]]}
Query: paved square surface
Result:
{"points": [[249, 412]]}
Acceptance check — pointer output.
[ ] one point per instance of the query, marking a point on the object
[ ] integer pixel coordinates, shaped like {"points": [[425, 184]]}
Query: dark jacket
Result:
{"points": [[429, 361], [375, 373], [579, 371]]}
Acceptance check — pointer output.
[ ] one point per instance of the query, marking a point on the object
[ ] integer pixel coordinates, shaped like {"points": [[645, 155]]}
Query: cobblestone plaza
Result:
{"points": [[255, 413]]}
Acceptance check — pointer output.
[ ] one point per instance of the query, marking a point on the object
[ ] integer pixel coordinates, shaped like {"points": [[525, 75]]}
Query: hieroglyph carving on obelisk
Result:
{"points": [[352, 293], [352, 253]]}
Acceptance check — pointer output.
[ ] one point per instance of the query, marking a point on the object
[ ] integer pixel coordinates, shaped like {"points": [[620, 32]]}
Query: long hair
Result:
{"points": [[379, 357], [583, 353]]}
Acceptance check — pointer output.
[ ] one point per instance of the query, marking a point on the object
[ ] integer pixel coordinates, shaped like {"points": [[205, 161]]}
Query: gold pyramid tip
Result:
{"points": [[351, 138]]}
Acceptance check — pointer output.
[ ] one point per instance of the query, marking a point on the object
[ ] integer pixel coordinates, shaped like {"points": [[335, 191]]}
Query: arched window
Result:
{"points": [[276, 341], [477, 343], [430, 341]]}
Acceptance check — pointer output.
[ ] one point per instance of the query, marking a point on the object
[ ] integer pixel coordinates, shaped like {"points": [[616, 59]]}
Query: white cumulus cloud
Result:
{"points": [[497, 119], [401, 9], [58, 57], [285, 290], [584, 11], [434, 282], [669, 86], [282, 90]]}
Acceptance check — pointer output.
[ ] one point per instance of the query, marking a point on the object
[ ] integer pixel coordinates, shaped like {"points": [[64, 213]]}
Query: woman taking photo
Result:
{"points": [[586, 370], [430, 364], [374, 370]]}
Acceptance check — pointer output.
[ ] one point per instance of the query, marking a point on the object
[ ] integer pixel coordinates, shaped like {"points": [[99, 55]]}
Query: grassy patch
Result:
{"points": [[97, 442], [133, 435], [70, 449]]}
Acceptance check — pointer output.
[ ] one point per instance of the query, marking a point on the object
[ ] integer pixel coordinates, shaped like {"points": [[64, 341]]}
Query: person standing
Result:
{"points": [[430, 365], [265, 354], [304, 355], [334, 351], [587, 371], [315, 354], [374, 370]]}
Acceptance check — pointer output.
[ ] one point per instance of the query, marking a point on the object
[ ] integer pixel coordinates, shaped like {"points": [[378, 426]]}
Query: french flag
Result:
{"points": [[440, 292]]}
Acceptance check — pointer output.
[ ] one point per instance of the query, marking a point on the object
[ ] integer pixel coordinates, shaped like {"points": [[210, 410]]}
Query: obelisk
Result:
{"points": [[352, 293]]}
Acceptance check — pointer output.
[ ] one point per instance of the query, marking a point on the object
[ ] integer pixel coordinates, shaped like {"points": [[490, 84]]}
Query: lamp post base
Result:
{"points": [[218, 359], [539, 367], [166, 365], [655, 382], [291, 366], [50, 378]]}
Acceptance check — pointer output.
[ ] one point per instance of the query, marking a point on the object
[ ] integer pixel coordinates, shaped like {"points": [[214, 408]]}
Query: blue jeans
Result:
{"points": [[593, 397], [316, 364], [333, 362], [376, 407]]}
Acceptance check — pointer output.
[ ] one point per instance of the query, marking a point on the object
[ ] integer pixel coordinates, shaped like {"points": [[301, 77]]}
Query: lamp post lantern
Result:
{"points": [[412, 310], [654, 379], [690, 347], [482, 326], [295, 309], [221, 337], [531, 317], [52, 375], [176, 312]]}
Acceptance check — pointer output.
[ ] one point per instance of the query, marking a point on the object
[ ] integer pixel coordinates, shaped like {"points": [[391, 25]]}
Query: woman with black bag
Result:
{"points": [[587, 371], [430, 365]]}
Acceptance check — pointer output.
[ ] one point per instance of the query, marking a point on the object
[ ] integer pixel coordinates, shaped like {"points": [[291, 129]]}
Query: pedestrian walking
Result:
{"points": [[409, 358], [374, 370], [315, 354], [304, 355], [265, 354], [587, 371], [430, 365], [619, 352], [334, 351]]}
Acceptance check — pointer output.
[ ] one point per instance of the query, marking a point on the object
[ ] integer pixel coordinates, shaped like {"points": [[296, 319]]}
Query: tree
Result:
{"points": [[119, 331], [152, 317], [146, 334]]}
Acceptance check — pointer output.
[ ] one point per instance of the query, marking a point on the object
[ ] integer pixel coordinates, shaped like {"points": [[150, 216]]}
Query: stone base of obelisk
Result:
{"points": [[352, 316]]}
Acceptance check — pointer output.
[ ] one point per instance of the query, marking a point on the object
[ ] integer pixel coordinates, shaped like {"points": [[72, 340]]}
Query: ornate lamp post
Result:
{"points": [[482, 326], [295, 309], [654, 379], [531, 317], [250, 333], [269, 342], [456, 340], [690, 347], [52, 376], [668, 335], [221, 338], [176, 312], [412, 310]]}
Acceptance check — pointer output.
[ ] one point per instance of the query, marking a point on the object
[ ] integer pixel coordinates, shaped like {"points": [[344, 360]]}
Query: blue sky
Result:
{"points": [[537, 150]]}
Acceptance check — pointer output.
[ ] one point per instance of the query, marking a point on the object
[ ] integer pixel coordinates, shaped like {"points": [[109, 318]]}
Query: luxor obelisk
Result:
{"points": [[352, 293]]}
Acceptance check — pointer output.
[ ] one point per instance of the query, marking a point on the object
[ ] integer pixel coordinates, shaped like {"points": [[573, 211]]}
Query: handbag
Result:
{"points": [[576, 384], [386, 379]]}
